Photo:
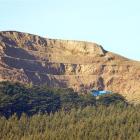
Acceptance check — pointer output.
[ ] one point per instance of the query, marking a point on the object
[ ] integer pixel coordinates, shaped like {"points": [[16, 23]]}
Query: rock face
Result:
{"points": [[76, 64]]}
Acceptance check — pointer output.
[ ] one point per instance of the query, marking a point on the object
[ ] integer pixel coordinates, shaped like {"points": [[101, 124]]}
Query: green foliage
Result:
{"points": [[16, 98], [111, 99], [89, 123], [42, 113]]}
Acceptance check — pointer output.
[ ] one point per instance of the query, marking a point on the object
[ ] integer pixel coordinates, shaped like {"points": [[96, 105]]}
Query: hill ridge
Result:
{"points": [[74, 64]]}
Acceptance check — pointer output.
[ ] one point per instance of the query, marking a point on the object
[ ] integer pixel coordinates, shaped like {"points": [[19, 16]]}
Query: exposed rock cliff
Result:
{"points": [[77, 64]]}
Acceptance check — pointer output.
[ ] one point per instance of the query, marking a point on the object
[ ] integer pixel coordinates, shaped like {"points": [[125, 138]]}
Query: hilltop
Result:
{"points": [[80, 65]]}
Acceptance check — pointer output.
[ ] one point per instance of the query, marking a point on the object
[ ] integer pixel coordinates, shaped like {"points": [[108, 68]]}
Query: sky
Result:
{"points": [[114, 24]]}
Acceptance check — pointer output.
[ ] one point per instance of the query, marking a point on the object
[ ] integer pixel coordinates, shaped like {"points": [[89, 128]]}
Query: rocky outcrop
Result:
{"points": [[60, 63]]}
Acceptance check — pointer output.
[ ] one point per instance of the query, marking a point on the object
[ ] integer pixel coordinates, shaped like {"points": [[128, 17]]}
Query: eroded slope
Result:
{"points": [[81, 65]]}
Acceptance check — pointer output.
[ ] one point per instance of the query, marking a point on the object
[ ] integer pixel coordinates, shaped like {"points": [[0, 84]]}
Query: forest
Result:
{"points": [[42, 113]]}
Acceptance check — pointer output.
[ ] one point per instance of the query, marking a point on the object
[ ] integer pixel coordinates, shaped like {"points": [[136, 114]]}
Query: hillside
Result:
{"points": [[79, 65]]}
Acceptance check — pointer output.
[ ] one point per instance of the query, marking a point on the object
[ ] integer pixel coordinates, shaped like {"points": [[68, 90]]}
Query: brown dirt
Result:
{"points": [[60, 63]]}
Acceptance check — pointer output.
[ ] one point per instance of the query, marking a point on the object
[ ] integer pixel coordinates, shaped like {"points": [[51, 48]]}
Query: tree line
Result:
{"points": [[43, 113], [18, 98]]}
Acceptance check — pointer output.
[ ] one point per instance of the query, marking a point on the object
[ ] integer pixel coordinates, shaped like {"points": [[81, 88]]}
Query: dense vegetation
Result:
{"points": [[16, 98], [42, 113], [90, 123]]}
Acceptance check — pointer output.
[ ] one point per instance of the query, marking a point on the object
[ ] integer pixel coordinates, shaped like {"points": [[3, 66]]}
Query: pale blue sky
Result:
{"points": [[115, 24]]}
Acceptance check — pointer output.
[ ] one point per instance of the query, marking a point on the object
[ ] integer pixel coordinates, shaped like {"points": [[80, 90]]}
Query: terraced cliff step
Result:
{"points": [[79, 65]]}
